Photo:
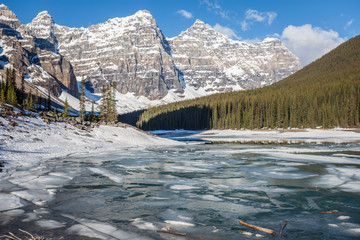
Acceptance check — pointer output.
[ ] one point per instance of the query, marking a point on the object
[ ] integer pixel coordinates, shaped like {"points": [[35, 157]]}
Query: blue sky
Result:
{"points": [[307, 28]]}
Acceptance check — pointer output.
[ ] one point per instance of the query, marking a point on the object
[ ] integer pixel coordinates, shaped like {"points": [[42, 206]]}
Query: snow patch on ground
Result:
{"points": [[336, 135], [32, 141]]}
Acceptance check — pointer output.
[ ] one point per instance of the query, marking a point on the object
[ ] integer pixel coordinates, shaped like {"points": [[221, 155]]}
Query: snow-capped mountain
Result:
{"points": [[150, 69], [215, 63], [43, 69]]}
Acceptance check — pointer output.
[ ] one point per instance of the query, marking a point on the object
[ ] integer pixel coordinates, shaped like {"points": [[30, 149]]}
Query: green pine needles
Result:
{"points": [[107, 107]]}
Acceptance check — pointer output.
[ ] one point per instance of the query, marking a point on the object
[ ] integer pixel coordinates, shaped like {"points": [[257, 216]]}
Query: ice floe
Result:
{"points": [[9, 202], [111, 176], [49, 224]]}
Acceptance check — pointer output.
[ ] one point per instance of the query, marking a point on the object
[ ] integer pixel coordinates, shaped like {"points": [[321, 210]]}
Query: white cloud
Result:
{"points": [[308, 42], [244, 25], [252, 16], [215, 7], [348, 24], [271, 16], [226, 31], [185, 13]]}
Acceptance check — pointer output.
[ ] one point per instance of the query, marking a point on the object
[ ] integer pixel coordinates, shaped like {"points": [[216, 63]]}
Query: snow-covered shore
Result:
{"points": [[32, 140], [316, 136]]}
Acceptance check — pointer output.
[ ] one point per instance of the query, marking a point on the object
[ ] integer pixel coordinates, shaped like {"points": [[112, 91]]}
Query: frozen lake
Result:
{"points": [[200, 190]]}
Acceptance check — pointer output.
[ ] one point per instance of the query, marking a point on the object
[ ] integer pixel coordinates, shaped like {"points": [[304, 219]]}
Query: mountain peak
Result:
{"points": [[199, 24], [43, 17], [3, 7], [143, 13], [8, 17]]}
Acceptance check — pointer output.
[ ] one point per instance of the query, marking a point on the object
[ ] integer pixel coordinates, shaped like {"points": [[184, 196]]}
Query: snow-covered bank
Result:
{"points": [[25, 141], [337, 135]]}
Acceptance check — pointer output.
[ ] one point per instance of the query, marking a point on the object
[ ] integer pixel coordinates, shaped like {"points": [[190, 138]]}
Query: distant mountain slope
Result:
{"points": [[150, 69], [43, 69], [325, 93], [147, 68]]}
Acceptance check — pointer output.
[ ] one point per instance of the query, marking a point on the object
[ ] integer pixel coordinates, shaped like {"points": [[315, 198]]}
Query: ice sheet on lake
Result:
{"points": [[49, 224], [38, 196], [9, 201], [346, 178], [105, 173], [105, 228], [141, 224], [81, 230], [211, 198], [183, 187], [40, 182], [179, 223], [31, 216], [185, 169]]}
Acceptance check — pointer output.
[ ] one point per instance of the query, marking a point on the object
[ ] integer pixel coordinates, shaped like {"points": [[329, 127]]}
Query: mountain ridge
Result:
{"points": [[326, 93], [133, 52]]}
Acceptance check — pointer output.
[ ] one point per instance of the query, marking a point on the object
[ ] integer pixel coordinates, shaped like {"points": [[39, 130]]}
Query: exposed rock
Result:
{"points": [[42, 68], [133, 53], [216, 63], [130, 51]]}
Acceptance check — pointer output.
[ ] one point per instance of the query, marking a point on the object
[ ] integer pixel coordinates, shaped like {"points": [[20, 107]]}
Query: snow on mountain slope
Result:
{"points": [[148, 68]]}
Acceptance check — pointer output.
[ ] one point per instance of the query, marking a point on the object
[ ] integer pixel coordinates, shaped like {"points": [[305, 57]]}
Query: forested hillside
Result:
{"points": [[325, 93]]}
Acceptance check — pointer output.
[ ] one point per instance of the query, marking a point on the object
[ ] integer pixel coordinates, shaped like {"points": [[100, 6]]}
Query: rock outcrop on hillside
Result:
{"points": [[42, 67]]}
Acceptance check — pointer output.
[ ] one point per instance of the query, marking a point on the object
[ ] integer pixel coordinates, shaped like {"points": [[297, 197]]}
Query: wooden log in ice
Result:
{"points": [[265, 230], [175, 233], [332, 212]]}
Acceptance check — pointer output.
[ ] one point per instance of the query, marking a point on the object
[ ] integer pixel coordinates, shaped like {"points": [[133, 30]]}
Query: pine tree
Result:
{"points": [[92, 113], [2, 96], [113, 103], [29, 102], [11, 95], [36, 101], [22, 90], [82, 99], [66, 109], [102, 106]]}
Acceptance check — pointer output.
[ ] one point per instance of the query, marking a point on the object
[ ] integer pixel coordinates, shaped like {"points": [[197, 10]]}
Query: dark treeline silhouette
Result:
{"points": [[325, 93]]}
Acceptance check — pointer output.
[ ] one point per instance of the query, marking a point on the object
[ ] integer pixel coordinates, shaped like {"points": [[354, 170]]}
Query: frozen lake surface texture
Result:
{"points": [[202, 190]]}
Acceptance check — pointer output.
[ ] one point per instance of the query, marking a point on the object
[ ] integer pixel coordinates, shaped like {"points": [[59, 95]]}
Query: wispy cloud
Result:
{"points": [[216, 8], [226, 31], [308, 42], [348, 24], [252, 16], [185, 13]]}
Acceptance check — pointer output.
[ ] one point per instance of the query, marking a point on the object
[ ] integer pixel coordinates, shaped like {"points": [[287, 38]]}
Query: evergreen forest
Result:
{"points": [[325, 93]]}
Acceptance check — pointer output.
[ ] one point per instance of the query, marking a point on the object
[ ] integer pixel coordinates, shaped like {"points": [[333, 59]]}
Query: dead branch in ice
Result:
{"points": [[269, 231], [282, 228], [175, 233]]}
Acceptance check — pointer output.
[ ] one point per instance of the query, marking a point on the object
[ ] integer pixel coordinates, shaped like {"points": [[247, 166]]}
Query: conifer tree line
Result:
{"points": [[16, 96], [325, 93], [107, 106]]}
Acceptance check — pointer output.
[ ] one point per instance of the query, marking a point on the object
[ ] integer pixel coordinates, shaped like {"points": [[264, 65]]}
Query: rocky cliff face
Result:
{"points": [[133, 53], [130, 51], [42, 67], [215, 63], [148, 69]]}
